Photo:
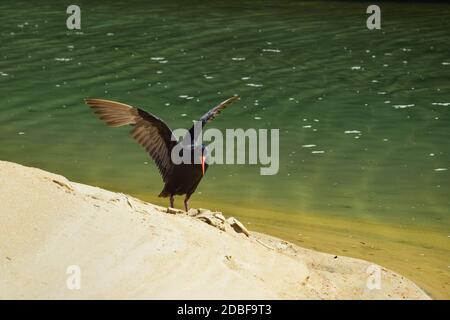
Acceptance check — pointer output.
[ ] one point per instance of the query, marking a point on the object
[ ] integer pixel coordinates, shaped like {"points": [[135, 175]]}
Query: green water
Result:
{"points": [[377, 103]]}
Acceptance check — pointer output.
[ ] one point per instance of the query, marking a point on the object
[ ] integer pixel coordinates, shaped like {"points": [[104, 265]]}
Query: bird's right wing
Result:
{"points": [[149, 131], [214, 112]]}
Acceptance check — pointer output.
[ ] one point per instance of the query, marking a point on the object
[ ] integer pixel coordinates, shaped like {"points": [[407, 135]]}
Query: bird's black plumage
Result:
{"points": [[156, 137]]}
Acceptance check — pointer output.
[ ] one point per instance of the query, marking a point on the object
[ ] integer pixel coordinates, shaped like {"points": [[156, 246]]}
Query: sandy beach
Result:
{"points": [[126, 248]]}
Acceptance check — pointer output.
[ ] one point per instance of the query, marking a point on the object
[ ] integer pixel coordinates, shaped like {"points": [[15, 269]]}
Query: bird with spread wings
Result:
{"points": [[157, 139]]}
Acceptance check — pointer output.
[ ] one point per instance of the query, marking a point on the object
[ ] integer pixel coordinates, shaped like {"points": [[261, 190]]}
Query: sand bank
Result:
{"points": [[122, 247]]}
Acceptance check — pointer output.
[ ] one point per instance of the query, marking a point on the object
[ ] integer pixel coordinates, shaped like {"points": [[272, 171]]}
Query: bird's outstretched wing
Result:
{"points": [[213, 113], [149, 131]]}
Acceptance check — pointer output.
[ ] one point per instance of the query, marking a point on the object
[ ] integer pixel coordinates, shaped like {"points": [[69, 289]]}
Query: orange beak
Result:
{"points": [[203, 158]]}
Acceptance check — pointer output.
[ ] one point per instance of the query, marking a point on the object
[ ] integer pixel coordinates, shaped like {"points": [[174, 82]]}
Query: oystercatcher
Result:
{"points": [[155, 136]]}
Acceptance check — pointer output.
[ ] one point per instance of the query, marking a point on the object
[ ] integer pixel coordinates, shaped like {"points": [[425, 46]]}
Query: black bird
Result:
{"points": [[155, 136]]}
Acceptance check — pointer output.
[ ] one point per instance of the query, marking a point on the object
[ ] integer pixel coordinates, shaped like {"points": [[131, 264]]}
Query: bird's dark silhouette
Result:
{"points": [[155, 136]]}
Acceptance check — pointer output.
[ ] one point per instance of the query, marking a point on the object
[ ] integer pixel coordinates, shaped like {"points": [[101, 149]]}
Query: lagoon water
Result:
{"points": [[364, 116]]}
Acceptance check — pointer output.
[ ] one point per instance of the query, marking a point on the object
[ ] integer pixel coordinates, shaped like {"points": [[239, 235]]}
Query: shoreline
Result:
{"points": [[127, 248], [417, 253], [412, 251]]}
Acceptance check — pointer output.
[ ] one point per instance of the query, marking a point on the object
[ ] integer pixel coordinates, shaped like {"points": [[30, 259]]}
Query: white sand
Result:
{"points": [[127, 248]]}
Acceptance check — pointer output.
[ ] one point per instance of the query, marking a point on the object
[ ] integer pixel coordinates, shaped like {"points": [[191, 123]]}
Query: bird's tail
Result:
{"points": [[164, 194]]}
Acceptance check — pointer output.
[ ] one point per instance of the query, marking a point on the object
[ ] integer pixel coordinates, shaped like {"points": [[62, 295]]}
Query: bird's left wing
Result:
{"points": [[214, 112], [148, 130]]}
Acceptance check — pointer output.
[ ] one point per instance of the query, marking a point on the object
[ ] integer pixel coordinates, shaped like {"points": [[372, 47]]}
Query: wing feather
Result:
{"points": [[148, 130], [214, 112]]}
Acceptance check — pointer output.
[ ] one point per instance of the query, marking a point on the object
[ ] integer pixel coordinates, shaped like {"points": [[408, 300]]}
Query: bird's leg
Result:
{"points": [[171, 200], [186, 203]]}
